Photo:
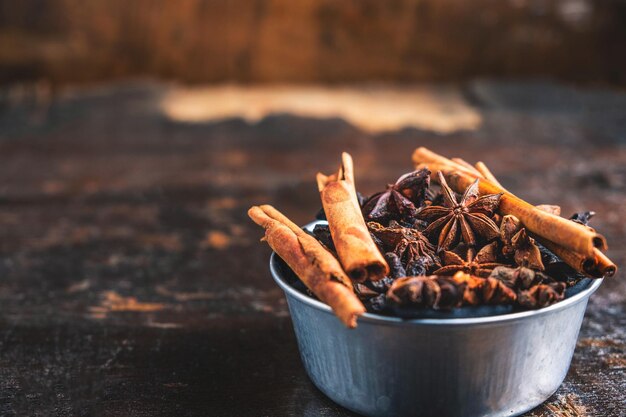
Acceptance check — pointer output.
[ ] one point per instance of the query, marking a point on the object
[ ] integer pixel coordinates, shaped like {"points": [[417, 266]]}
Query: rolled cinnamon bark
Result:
{"points": [[318, 269], [570, 235], [550, 208], [487, 174], [603, 265], [355, 248], [596, 266], [425, 156], [467, 165]]}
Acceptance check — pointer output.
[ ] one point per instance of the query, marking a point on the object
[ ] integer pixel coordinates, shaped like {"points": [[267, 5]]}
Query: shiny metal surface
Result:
{"points": [[489, 366]]}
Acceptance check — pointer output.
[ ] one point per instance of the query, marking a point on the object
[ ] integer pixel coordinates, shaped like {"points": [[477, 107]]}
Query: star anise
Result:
{"points": [[409, 244], [466, 220], [479, 264], [399, 200], [518, 278], [509, 226], [541, 295], [421, 266], [484, 290], [526, 251], [534, 289], [518, 244], [439, 293]]}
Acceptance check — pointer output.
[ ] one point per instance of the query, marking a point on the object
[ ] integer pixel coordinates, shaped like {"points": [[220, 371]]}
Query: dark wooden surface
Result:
{"points": [[132, 282]]}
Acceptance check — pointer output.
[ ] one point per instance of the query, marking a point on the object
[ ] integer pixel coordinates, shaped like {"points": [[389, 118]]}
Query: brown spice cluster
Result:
{"points": [[420, 246]]}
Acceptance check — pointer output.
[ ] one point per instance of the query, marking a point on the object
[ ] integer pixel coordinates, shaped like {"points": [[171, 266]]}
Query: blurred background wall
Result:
{"points": [[63, 41]]}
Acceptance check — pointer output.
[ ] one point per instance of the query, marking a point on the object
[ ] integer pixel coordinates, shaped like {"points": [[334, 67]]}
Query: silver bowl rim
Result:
{"points": [[376, 318], [379, 319]]}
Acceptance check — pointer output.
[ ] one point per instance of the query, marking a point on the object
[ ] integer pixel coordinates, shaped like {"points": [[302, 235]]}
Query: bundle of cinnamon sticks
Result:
{"points": [[577, 245], [315, 265], [355, 258]]}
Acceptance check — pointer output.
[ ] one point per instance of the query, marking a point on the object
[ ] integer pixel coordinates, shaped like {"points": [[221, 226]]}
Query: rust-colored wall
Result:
{"points": [[312, 40]]}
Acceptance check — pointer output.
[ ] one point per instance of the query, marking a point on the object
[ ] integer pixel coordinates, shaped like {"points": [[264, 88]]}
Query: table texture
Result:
{"points": [[132, 282]]}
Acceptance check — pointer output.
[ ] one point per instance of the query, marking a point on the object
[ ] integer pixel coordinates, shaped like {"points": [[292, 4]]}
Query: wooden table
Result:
{"points": [[132, 282]]}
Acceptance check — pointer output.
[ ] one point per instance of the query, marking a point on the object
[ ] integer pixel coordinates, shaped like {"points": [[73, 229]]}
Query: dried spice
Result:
{"points": [[520, 277], [541, 295], [322, 233], [465, 220], [311, 262], [396, 269], [321, 215], [377, 304], [509, 226], [364, 291], [434, 196], [480, 291], [356, 251], [534, 289], [442, 250], [516, 243], [409, 244], [479, 264], [433, 291], [399, 200], [583, 217], [420, 266], [526, 252]]}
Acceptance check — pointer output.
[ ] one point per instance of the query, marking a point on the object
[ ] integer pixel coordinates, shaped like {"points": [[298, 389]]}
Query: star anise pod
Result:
{"points": [[399, 200], [466, 220], [541, 295], [534, 289], [527, 253], [479, 291], [409, 244], [509, 226], [435, 292], [478, 264], [518, 278], [517, 244], [421, 266]]}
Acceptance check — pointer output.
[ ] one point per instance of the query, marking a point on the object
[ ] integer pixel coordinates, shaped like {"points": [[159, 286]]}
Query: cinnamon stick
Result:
{"points": [[355, 248], [550, 208], [570, 235], [467, 165], [603, 265], [318, 269], [425, 156], [596, 266], [487, 174]]}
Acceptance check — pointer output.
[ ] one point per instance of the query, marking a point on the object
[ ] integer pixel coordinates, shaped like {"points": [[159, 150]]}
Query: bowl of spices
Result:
{"points": [[448, 299]]}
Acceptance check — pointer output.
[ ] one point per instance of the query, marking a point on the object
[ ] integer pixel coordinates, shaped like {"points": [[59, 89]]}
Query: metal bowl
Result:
{"points": [[499, 365]]}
